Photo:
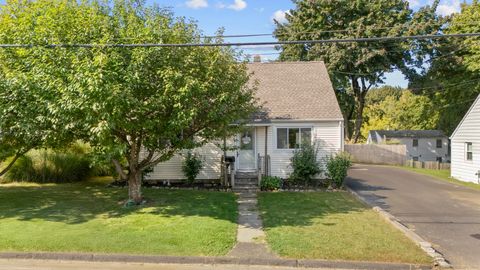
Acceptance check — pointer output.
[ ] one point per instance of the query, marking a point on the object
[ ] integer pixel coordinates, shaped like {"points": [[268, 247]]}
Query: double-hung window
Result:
{"points": [[439, 143], [415, 143], [293, 138], [469, 151]]}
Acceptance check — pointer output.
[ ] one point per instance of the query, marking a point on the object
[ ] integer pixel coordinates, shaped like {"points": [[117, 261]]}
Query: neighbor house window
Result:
{"points": [[292, 138], [468, 151], [415, 143], [439, 143], [439, 159], [415, 158]]}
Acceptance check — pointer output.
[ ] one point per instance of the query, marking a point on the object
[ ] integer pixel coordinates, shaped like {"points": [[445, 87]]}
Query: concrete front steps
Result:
{"points": [[246, 182]]}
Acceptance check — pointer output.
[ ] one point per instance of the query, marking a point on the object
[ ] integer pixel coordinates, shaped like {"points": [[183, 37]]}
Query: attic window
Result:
{"points": [[293, 138]]}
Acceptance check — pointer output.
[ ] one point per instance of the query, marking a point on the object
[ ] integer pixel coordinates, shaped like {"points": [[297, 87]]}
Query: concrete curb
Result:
{"points": [[208, 260], [438, 259]]}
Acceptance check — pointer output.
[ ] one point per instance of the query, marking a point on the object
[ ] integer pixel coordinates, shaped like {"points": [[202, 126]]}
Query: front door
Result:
{"points": [[246, 153]]}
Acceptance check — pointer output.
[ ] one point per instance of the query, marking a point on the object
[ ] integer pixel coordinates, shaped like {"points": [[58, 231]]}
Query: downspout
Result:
{"points": [[266, 151]]}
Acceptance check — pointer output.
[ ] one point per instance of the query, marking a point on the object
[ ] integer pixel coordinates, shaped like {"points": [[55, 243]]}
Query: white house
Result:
{"points": [[466, 146], [422, 145], [299, 105]]}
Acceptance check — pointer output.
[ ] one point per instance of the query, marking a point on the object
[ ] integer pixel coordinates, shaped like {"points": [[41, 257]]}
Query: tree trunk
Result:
{"points": [[135, 186], [9, 166], [359, 117], [345, 126]]}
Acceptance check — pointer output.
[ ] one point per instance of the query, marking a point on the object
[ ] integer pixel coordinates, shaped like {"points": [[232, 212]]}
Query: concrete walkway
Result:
{"points": [[250, 235]]}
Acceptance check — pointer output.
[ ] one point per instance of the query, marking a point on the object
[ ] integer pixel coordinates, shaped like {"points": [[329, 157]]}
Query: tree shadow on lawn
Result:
{"points": [[302, 209], [80, 202]]}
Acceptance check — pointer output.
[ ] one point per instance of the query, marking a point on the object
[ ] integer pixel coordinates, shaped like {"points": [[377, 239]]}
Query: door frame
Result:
{"points": [[237, 160]]}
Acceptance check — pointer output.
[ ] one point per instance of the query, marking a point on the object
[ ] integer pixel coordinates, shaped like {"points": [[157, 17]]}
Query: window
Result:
{"points": [[415, 142], [415, 158], [292, 138], [468, 151], [439, 143], [439, 159]]}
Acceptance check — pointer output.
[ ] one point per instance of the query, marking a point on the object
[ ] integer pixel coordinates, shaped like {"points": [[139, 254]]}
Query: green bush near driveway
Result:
{"points": [[332, 226], [87, 217]]}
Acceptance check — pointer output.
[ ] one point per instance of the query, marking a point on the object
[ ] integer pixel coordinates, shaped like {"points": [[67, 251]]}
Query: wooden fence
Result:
{"points": [[432, 165], [378, 153]]}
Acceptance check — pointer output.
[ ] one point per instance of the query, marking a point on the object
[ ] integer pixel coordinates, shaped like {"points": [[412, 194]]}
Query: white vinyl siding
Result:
{"points": [[172, 169], [326, 135], [467, 132]]}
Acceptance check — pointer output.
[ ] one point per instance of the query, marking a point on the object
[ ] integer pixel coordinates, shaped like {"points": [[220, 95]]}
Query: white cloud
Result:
{"points": [[448, 7], [196, 4], [414, 3], [237, 5], [280, 16]]}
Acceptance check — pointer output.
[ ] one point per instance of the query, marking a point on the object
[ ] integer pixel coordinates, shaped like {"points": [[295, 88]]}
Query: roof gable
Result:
{"points": [[295, 91], [477, 101]]}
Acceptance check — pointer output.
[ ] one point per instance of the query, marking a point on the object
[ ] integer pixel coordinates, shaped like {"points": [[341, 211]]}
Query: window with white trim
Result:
{"points": [[468, 151], [293, 138]]}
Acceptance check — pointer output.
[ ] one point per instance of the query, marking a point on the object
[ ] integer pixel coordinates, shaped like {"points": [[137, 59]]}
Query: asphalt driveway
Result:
{"points": [[447, 215]]}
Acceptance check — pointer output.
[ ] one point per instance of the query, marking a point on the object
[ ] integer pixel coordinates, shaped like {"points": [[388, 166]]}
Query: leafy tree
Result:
{"points": [[452, 80], [142, 104], [407, 111], [362, 64]]}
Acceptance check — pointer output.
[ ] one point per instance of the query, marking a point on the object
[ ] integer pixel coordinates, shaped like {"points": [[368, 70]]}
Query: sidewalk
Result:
{"points": [[75, 265]]}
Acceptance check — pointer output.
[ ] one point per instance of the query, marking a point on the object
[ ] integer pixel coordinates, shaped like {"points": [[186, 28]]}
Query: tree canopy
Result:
{"points": [[452, 79], [363, 65], [142, 104], [399, 110]]}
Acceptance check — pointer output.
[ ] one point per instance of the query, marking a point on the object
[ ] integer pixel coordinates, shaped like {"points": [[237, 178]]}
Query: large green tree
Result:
{"points": [[452, 79], [142, 104], [398, 110], [363, 64]]}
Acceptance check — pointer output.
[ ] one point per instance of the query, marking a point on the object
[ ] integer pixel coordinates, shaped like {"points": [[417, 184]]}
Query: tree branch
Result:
{"points": [[9, 166], [119, 169]]}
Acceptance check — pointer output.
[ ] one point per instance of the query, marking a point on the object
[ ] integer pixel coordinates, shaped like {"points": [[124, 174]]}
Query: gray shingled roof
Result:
{"points": [[295, 91], [374, 134]]}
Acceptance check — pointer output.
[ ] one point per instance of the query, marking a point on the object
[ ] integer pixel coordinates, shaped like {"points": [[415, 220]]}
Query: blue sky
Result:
{"points": [[256, 16]]}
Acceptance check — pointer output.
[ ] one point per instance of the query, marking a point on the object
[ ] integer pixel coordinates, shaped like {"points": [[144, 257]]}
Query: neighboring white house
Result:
{"points": [[299, 105], [422, 145], [466, 146]]}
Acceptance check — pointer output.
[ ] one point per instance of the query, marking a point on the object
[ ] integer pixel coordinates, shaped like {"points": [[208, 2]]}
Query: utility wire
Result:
{"points": [[240, 44]]}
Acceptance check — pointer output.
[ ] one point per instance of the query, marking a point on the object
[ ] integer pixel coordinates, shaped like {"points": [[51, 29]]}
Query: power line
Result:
{"points": [[240, 44], [323, 31]]}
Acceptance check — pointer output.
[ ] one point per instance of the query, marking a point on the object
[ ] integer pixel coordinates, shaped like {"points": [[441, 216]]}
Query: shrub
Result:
{"points": [[191, 167], [270, 183], [337, 169], [47, 166], [305, 165]]}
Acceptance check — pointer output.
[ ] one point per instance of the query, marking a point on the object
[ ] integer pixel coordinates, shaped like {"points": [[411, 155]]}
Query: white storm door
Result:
{"points": [[246, 152]]}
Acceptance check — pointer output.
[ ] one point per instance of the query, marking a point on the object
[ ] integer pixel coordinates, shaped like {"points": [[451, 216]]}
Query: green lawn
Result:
{"points": [[332, 226], [88, 217], [443, 175]]}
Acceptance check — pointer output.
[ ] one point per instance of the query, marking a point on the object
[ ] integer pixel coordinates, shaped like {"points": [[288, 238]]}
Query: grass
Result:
{"points": [[443, 175], [332, 226], [88, 217]]}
